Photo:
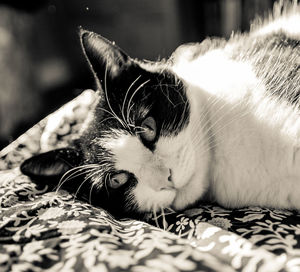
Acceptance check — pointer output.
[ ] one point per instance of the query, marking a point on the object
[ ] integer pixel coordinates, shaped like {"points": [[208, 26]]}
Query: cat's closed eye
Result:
{"points": [[149, 129], [117, 180]]}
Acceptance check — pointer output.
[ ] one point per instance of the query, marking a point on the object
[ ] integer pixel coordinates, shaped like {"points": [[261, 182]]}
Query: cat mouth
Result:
{"points": [[169, 188], [169, 195]]}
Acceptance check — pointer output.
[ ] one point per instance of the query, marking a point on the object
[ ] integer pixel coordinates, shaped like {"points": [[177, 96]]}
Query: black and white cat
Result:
{"points": [[219, 120]]}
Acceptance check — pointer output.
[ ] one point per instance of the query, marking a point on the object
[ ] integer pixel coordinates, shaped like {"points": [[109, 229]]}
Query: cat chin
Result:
{"points": [[149, 200]]}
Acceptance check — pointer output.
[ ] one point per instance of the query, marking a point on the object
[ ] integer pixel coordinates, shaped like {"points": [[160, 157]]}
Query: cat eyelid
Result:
{"points": [[149, 129], [117, 180]]}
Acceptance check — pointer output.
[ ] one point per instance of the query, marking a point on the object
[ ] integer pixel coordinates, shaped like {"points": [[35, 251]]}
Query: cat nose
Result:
{"points": [[169, 184], [170, 176], [161, 179]]}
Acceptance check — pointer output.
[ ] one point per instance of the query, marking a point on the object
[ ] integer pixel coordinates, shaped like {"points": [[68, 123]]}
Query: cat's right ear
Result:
{"points": [[106, 59], [49, 167]]}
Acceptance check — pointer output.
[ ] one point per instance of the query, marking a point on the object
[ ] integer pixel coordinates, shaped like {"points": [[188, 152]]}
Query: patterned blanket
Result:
{"points": [[44, 230]]}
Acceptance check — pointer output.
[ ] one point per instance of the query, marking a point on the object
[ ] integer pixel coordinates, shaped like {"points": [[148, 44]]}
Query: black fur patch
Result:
{"points": [[131, 91]]}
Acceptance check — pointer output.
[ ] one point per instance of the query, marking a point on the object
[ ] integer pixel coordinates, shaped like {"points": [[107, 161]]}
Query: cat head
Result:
{"points": [[136, 152]]}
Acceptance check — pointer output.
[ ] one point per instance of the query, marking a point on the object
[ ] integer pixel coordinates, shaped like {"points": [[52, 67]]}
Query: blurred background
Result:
{"points": [[41, 65]]}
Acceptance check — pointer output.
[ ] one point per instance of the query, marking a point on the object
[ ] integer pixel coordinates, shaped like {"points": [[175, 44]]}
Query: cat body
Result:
{"points": [[253, 121], [218, 121]]}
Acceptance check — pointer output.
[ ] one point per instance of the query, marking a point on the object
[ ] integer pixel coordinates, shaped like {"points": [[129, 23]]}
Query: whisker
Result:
{"points": [[211, 128], [98, 173], [59, 187], [105, 183], [125, 98], [78, 189], [130, 100], [166, 94], [84, 168], [210, 104], [170, 211], [87, 178], [155, 217], [165, 225], [210, 147], [108, 103], [90, 194], [105, 119], [218, 131], [112, 115], [139, 129], [208, 120], [78, 168], [180, 123]]}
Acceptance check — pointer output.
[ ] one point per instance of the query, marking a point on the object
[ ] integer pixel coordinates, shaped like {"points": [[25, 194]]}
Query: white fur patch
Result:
{"points": [[289, 25]]}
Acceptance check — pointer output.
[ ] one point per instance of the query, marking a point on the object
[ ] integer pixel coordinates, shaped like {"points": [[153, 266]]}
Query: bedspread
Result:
{"points": [[44, 230]]}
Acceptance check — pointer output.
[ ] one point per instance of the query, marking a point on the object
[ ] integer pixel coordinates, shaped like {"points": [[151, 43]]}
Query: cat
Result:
{"points": [[217, 121]]}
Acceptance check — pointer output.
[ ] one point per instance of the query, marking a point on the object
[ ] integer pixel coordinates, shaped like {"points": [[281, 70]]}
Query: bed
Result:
{"points": [[53, 231]]}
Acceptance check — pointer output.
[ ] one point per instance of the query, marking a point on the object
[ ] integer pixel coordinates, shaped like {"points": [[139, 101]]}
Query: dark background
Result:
{"points": [[41, 65]]}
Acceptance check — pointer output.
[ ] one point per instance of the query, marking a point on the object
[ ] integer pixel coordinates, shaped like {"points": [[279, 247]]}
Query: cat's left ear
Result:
{"points": [[106, 59], [50, 166]]}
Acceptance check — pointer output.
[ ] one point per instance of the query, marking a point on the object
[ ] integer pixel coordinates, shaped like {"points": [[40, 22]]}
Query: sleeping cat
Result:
{"points": [[217, 121]]}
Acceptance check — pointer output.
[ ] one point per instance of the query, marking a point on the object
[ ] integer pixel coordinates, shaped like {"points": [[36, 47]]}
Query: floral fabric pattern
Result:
{"points": [[53, 231]]}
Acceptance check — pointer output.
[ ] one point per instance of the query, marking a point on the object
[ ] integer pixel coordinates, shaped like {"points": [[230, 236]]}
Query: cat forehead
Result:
{"points": [[154, 72], [159, 95]]}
